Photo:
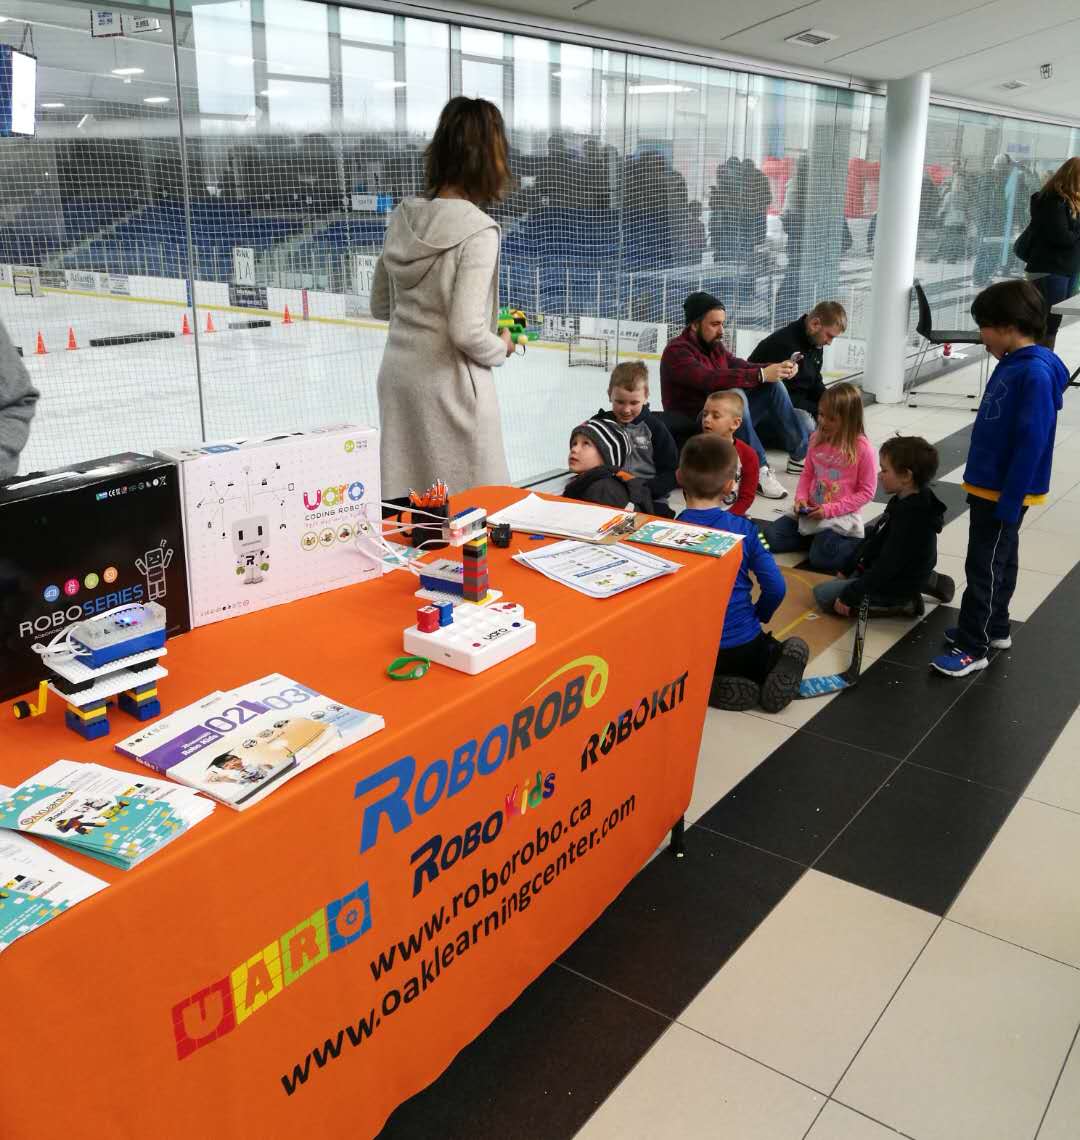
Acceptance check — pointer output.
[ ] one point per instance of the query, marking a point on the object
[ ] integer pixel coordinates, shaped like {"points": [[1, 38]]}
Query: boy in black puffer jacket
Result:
{"points": [[894, 564], [598, 454]]}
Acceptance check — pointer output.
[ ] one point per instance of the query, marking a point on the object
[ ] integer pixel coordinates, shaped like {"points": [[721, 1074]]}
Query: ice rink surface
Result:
{"points": [[95, 401]]}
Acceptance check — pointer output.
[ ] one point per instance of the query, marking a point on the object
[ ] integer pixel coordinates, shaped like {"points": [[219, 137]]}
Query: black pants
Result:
{"points": [[991, 566], [754, 659], [1054, 287]]}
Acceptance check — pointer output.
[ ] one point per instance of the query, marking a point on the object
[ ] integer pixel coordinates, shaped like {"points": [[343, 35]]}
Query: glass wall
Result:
{"points": [[980, 173], [192, 184]]}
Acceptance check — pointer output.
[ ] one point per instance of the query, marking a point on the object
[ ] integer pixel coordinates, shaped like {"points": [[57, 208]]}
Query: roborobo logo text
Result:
{"points": [[410, 796]]}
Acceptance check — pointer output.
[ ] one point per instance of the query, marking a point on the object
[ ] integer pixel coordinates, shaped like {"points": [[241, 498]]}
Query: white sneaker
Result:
{"points": [[769, 485]]}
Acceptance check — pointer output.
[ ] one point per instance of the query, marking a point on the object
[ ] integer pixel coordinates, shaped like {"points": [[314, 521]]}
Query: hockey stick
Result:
{"points": [[834, 682]]}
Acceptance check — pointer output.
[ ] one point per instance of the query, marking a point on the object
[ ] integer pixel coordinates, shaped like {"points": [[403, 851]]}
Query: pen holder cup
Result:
{"points": [[420, 535]]}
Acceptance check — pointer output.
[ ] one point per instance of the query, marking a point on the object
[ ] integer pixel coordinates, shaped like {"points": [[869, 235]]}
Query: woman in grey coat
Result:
{"points": [[437, 282]]}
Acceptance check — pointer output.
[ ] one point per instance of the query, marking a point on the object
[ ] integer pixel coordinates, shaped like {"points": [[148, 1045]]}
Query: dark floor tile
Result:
{"points": [[918, 647], [680, 920], [796, 801], [952, 494], [540, 1069], [891, 709], [952, 451], [999, 732], [919, 838]]}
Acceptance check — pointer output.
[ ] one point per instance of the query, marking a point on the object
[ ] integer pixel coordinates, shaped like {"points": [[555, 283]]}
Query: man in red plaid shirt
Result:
{"points": [[696, 363]]}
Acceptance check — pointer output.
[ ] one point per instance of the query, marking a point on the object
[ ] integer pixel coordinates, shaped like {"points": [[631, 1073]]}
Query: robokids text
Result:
{"points": [[217, 1009]]}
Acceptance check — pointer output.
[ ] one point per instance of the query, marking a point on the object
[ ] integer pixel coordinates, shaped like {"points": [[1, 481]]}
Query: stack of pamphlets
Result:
{"points": [[238, 746], [597, 571], [36, 885], [682, 536], [582, 521], [103, 813]]}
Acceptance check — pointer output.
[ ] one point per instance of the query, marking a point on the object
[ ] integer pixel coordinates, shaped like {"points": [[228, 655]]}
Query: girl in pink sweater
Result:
{"points": [[839, 479]]}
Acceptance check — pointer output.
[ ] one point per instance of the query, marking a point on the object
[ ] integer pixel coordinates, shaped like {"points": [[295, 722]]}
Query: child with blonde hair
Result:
{"points": [[722, 416], [839, 479], [653, 456]]}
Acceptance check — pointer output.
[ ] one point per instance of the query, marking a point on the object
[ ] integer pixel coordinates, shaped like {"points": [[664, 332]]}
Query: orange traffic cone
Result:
{"points": [[185, 328], [210, 323], [72, 346], [287, 319], [40, 350]]}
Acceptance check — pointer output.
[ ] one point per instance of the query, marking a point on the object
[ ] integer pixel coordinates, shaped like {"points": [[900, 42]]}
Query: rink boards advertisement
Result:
{"points": [[82, 540]]}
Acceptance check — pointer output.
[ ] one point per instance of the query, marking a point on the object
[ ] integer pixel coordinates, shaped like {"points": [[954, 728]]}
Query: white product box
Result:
{"points": [[274, 518]]}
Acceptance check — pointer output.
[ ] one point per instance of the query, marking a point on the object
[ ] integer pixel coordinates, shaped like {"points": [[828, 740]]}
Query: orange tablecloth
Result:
{"points": [[301, 968]]}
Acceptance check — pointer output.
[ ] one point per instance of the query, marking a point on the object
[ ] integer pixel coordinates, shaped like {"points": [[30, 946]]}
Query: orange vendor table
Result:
{"points": [[310, 963]]}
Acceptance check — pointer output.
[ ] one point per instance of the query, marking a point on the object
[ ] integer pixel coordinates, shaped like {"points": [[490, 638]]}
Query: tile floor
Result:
{"points": [[876, 930]]}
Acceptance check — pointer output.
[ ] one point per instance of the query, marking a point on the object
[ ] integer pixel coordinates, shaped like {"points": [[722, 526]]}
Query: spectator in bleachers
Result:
{"points": [[695, 234], [725, 208], [954, 221], [18, 400], [597, 177], [756, 196], [436, 282]]}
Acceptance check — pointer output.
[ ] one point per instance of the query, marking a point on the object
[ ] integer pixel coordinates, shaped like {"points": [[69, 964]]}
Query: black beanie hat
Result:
{"points": [[698, 304], [608, 438]]}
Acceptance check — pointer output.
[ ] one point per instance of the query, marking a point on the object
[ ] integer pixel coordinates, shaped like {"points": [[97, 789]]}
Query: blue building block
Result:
{"points": [[140, 710], [89, 730]]}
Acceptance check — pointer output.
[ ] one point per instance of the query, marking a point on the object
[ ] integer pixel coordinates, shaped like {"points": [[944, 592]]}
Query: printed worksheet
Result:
{"points": [[597, 571]]}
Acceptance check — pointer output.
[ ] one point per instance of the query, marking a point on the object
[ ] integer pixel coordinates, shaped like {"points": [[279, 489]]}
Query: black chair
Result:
{"points": [[933, 338]]}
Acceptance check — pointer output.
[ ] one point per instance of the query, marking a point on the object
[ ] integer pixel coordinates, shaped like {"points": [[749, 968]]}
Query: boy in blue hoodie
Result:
{"points": [[1008, 466], [752, 667]]}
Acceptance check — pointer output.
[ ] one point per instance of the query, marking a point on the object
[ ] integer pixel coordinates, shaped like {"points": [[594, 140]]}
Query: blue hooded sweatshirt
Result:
{"points": [[1012, 444], [743, 618]]}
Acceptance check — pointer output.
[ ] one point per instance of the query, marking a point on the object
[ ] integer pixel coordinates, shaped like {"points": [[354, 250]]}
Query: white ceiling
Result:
{"points": [[970, 48]]}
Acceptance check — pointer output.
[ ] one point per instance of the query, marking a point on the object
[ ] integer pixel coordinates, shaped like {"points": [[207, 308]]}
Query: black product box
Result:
{"points": [[81, 540]]}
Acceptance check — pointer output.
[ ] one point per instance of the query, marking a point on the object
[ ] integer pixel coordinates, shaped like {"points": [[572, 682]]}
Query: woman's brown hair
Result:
{"points": [[469, 151], [1065, 181]]}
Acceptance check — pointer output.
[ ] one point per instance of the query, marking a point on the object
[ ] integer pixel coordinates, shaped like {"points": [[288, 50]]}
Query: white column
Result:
{"points": [[903, 153]]}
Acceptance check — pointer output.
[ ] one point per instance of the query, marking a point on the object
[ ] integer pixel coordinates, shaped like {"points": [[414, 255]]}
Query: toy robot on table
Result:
{"points": [[114, 654]]}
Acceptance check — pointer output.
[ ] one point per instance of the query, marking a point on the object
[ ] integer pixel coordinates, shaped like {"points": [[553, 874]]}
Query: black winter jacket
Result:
{"points": [[894, 560], [1055, 236], [612, 488]]}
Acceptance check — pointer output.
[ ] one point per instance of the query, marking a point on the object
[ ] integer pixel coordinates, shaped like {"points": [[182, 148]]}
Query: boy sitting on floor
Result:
{"points": [[752, 667], [894, 564], [653, 456], [722, 416], [598, 454]]}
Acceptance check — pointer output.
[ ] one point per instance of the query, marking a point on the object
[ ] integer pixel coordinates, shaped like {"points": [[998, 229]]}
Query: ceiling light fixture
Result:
{"points": [[51, 106], [127, 71], [156, 99]]}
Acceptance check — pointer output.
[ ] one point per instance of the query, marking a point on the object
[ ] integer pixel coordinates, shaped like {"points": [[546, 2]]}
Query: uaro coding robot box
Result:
{"points": [[274, 518]]}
